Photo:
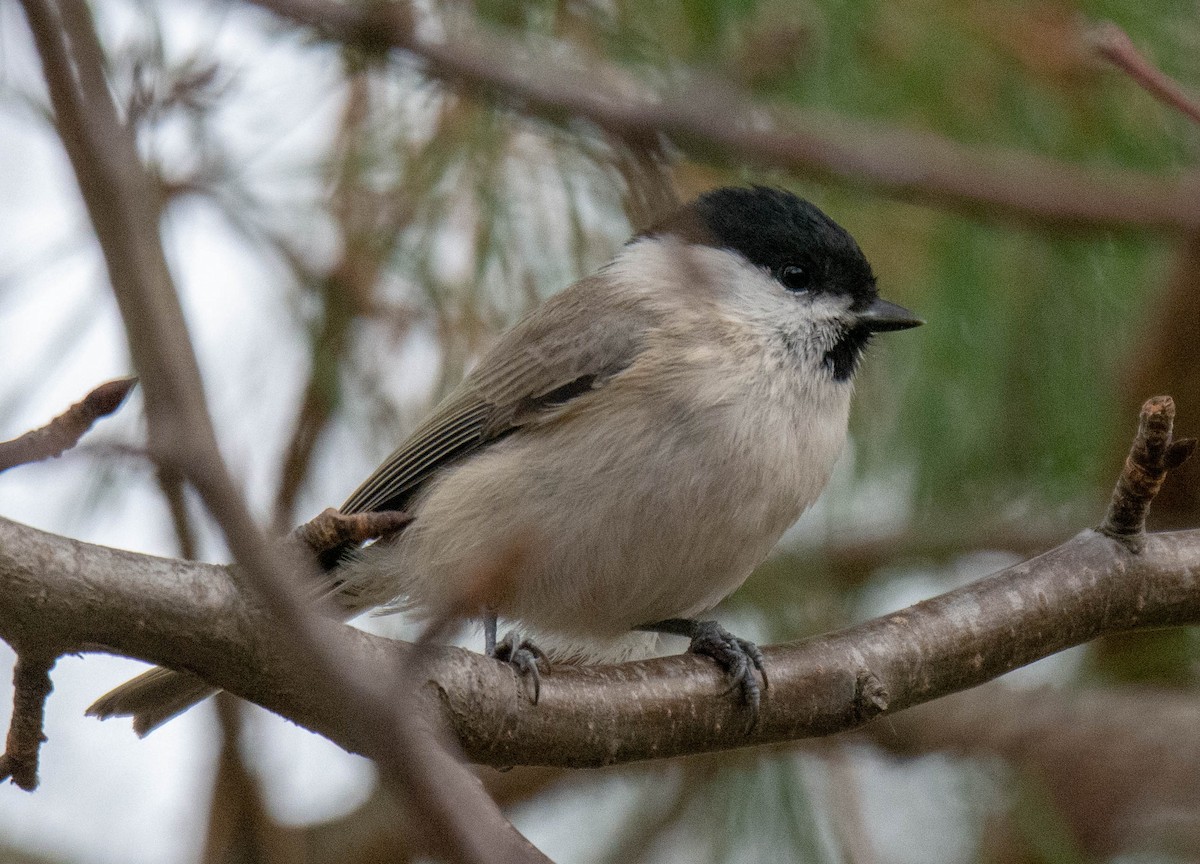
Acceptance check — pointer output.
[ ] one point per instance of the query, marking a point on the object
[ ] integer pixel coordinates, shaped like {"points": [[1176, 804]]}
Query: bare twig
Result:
{"points": [[31, 687], [64, 431], [454, 818], [330, 528], [170, 483], [123, 206], [1113, 44], [717, 123], [1153, 454], [1166, 361]]}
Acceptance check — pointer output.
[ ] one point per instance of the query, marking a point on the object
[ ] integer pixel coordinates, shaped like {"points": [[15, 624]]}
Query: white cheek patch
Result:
{"points": [[812, 317], [829, 307], [670, 270], [666, 268]]}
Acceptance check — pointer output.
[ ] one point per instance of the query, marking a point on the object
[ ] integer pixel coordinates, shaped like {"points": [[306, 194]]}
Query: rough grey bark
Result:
{"points": [[64, 595]]}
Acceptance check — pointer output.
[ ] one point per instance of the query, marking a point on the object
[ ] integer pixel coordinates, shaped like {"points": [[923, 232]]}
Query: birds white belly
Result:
{"points": [[619, 530]]}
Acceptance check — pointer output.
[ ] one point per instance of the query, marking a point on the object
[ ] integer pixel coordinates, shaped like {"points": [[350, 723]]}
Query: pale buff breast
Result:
{"points": [[661, 516]]}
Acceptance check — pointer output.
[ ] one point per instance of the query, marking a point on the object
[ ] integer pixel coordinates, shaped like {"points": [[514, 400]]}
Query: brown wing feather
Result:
{"points": [[559, 352]]}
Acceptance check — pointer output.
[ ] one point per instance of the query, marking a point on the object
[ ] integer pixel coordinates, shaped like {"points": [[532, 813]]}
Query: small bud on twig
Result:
{"points": [[1154, 453], [64, 431]]}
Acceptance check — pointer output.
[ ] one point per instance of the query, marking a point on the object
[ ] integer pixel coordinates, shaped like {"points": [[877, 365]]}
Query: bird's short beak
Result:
{"points": [[882, 316]]}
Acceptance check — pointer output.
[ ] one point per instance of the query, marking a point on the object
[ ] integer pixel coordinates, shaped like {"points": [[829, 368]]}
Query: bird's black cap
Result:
{"points": [[775, 230], [801, 247]]}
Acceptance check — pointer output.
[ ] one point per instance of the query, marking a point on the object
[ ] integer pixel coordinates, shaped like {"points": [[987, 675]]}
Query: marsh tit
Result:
{"points": [[645, 436]]}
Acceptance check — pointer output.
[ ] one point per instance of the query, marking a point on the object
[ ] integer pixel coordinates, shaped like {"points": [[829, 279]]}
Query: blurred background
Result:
{"points": [[348, 234]]}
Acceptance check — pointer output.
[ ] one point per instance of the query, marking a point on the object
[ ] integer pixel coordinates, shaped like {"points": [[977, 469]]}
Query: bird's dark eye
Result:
{"points": [[795, 278]]}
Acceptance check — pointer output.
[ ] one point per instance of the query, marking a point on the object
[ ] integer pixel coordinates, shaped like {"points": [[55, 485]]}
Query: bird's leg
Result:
{"points": [[489, 633], [521, 653], [738, 658]]}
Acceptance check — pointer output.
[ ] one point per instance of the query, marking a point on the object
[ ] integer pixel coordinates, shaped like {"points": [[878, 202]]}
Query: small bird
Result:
{"points": [[645, 437]]}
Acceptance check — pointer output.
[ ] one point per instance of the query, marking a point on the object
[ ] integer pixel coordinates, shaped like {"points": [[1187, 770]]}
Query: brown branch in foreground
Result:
{"points": [[31, 687], [69, 596], [64, 431], [1114, 45], [718, 123], [75, 596], [1154, 453], [452, 816]]}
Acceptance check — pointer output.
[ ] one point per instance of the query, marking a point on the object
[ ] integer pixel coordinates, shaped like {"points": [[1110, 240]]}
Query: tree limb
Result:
{"points": [[716, 122], [64, 595]]}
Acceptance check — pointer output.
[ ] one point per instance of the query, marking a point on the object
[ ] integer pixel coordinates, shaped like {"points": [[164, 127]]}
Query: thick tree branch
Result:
{"points": [[31, 674], [64, 595], [715, 122]]}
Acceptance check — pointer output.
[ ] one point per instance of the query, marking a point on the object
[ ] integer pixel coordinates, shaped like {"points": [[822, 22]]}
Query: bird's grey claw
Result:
{"points": [[738, 658], [525, 657]]}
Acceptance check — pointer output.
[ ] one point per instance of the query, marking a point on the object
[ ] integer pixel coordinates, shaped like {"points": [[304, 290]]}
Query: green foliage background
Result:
{"points": [[1012, 392], [997, 427]]}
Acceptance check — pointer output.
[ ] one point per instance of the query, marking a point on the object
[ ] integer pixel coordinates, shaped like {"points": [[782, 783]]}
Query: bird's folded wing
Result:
{"points": [[562, 351]]}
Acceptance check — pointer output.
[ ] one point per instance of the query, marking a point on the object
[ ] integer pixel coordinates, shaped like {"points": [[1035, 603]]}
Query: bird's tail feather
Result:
{"points": [[156, 696], [152, 698]]}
